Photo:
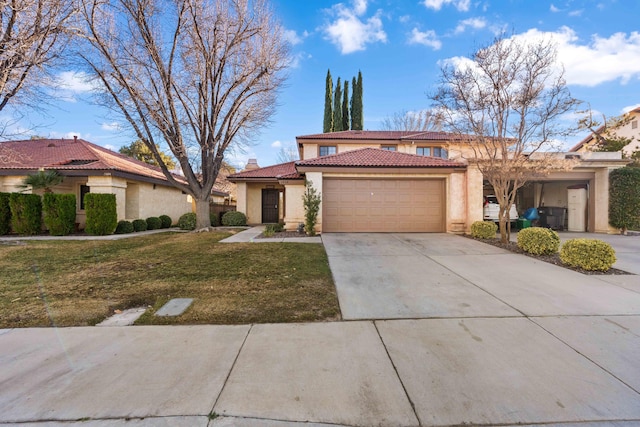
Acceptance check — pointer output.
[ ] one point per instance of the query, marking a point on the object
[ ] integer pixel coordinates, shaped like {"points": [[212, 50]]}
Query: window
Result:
{"points": [[84, 189], [389, 147], [326, 150], [432, 151], [634, 124]]}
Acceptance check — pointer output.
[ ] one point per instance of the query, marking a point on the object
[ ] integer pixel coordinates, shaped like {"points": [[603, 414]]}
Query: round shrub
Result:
{"points": [[234, 218], [588, 254], [187, 221], [538, 241], [124, 227], [213, 217], [484, 229], [166, 221], [153, 223], [139, 225]]}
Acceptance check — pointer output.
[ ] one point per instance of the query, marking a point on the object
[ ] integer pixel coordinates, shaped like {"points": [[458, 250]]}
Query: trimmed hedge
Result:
{"points": [[139, 225], [26, 213], [187, 221], [538, 241], [234, 219], [5, 214], [166, 221], [153, 223], [59, 213], [624, 198], [484, 229], [213, 218], [588, 254], [102, 216], [124, 227]]}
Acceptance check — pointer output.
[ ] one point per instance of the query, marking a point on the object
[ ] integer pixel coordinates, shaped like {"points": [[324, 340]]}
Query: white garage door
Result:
{"points": [[383, 205]]}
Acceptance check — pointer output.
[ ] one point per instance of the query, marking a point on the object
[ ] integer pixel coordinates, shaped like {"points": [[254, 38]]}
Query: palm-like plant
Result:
{"points": [[44, 179]]}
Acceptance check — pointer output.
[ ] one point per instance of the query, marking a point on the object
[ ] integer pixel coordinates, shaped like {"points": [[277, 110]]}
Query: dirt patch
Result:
{"points": [[282, 234], [551, 259]]}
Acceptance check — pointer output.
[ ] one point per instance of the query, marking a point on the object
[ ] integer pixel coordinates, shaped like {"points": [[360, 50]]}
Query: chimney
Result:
{"points": [[75, 138], [251, 165]]}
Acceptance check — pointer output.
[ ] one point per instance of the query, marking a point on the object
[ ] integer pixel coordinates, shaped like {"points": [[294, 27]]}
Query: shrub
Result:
{"points": [[124, 227], [187, 221], [139, 225], [213, 217], [588, 254], [26, 213], [538, 241], [234, 218], [624, 198], [272, 229], [154, 223], [311, 202], [5, 214], [102, 217], [166, 221], [59, 213], [484, 229]]}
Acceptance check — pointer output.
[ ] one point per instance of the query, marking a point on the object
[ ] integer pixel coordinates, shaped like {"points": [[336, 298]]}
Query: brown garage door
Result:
{"points": [[383, 205]]}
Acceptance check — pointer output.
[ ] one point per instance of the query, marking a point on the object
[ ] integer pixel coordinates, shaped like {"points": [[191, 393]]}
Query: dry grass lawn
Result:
{"points": [[74, 283]]}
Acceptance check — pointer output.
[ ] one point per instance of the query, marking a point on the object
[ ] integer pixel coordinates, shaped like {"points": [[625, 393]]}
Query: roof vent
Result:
{"points": [[571, 156], [79, 162], [51, 144]]}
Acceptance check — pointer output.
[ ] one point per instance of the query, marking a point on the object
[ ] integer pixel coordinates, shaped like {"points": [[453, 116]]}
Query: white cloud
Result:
{"points": [[293, 38], [553, 9], [576, 12], [75, 81], [426, 38], [629, 108], [276, 144], [350, 32], [475, 23], [110, 147], [111, 127], [461, 5]]}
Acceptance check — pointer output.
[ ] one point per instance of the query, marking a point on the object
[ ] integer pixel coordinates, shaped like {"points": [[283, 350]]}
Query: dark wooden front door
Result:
{"points": [[270, 206]]}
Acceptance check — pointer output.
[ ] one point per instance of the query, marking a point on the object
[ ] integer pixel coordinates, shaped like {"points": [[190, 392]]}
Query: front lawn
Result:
{"points": [[72, 283]]}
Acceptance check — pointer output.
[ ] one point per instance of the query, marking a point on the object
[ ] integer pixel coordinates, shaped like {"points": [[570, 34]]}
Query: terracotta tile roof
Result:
{"points": [[280, 171], [364, 135], [374, 157], [71, 154]]}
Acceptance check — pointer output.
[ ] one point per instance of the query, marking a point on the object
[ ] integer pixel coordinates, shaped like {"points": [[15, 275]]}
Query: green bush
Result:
{"points": [[26, 213], [139, 225], [484, 229], [624, 198], [102, 216], [538, 241], [59, 213], [154, 223], [588, 254], [234, 218], [213, 218], [166, 221], [5, 214], [311, 200], [271, 229], [124, 227], [187, 221]]}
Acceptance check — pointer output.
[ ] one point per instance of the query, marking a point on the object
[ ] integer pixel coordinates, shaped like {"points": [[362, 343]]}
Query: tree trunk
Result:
{"points": [[202, 214]]}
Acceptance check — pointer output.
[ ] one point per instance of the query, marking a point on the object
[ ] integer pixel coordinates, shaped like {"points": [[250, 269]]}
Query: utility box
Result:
{"points": [[577, 212], [523, 223]]}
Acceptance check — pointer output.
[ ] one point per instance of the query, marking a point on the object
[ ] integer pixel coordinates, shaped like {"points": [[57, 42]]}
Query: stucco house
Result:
{"points": [[629, 129], [394, 181], [141, 190]]}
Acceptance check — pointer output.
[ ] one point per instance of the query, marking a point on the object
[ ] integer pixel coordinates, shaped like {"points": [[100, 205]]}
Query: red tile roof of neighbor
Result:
{"points": [[71, 154], [374, 157], [385, 135], [280, 171]]}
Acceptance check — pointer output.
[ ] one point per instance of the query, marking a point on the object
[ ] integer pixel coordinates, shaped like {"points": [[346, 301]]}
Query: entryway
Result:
{"points": [[270, 200]]}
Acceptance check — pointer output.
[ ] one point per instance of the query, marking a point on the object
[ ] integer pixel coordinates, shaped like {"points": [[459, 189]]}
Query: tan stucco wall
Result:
{"points": [[241, 197], [250, 200], [162, 201], [294, 210], [601, 202]]}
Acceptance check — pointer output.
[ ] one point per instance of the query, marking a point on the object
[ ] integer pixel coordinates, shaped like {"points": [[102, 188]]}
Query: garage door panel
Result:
{"points": [[379, 205]]}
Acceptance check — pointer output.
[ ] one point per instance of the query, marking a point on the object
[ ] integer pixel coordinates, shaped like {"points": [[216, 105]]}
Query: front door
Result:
{"points": [[270, 205]]}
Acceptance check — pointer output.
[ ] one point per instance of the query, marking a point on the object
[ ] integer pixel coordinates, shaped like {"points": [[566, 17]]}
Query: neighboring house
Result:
{"points": [[394, 181], [141, 190], [630, 129]]}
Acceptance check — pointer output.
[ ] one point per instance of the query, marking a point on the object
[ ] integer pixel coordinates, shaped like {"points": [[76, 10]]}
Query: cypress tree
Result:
{"points": [[327, 125], [357, 113], [354, 89], [345, 106], [337, 109]]}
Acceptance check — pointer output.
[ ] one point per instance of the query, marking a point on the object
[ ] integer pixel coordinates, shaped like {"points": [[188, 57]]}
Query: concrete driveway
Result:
{"points": [[391, 276]]}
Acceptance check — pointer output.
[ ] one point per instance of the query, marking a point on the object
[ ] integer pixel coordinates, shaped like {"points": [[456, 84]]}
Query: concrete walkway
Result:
{"points": [[536, 345]]}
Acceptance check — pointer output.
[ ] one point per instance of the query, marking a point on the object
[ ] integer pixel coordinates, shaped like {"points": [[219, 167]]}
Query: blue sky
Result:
{"points": [[399, 46]]}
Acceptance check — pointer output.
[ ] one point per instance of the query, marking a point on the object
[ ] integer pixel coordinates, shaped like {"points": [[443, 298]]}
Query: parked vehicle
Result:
{"points": [[491, 210]]}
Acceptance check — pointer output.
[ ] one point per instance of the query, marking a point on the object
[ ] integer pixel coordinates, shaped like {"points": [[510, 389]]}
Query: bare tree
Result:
{"points": [[33, 34], [287, 154], [423, 120], [505, 104], [605, 133], [200, 76]]}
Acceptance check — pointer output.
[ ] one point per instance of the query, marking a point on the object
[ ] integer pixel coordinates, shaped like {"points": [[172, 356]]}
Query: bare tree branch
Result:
{"points": [[423, 120]]}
